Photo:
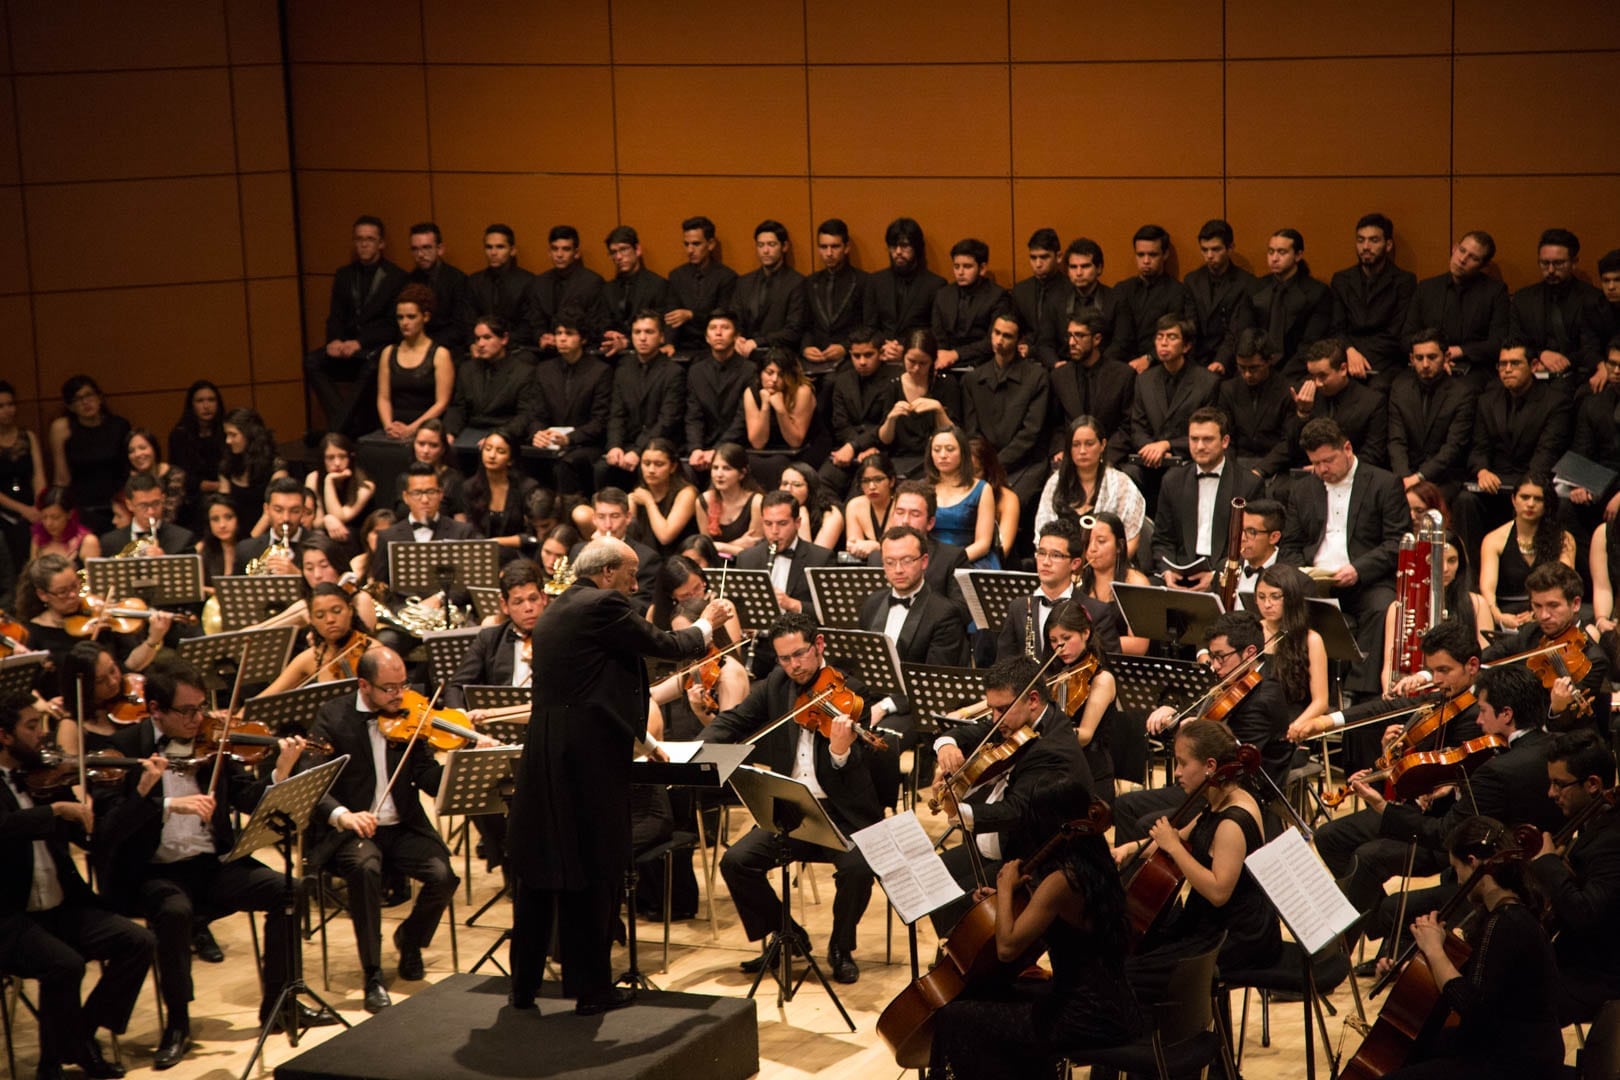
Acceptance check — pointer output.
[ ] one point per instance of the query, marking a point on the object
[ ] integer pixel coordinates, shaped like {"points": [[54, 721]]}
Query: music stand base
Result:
{"points": [[784, 945], [633, 978]]}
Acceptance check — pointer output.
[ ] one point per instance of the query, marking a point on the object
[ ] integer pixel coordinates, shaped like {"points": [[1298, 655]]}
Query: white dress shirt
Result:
{"points": [[422, 532], [1334, 550], [1204, 536], [522, 673], [387, 813], [780, 567], [1246, 581], [46, 891], [185, 836]]}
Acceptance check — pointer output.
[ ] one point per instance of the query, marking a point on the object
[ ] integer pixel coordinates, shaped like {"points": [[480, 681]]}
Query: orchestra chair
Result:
{"points": [[682, 843], [1184, 1039], [11, 986], [1287, 976]]}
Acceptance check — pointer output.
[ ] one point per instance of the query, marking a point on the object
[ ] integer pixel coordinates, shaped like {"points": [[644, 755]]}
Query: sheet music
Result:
{"points": [[681, 752], [1307, 897], [912, 873]]}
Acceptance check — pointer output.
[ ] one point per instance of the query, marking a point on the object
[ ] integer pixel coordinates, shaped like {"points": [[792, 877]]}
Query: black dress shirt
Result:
{"points": [[771, 307], [1369, 311], [1430, 428], [489, 395], [549, 293], [1516, 437], [502, 292], [834, 306], [1472, 315], [1293, 313], [648, 402], [1103, 390], [962, 318], [627, 294], [699, 289], [1139, 304], [714, 409], [1259, 417], [896, 304], [1559, 319], [1007, 406], [1221, 307], [577, 395], [859, 405], [449, 287], [1052, 339], [1164, 401], [1360, 414], [1034, 297]]}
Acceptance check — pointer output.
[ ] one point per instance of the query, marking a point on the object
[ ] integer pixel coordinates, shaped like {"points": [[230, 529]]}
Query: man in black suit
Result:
{"points": [[862, 395], [1603, 318], [500, 288], [1219, 293], [1083, 264], [1195, 505], [284, 510], [422, 523], [569, 283], [50, 922], [1369, 304], [1048, 783], [1259, 402], [161, 837], [359, 322], [1553, 317], [143, 493], [1059, 555], [914, 507], [1087, 383], [1582, 883], [696, 287], [900, 297], [1329, 392], [1263, 521], [1291, 306], [1555, 592], [502, 655], [633, 288], [566, 408], [833, 299], [1431, 418], [448, 283], [835, 768], [1006, 405], [647, 403], [963, 309], [1043, 289], [611, 509], [1521, 428], [1597, 438], [571, 814], [783, 553], [489, 388], [1166, 396], [1347, 518], [769, 301], [1467, 305], [714, 390], [1146, 298], [363, 825]]}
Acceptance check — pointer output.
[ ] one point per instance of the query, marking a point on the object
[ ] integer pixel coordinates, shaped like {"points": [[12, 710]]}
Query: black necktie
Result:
{"points": [[901, 601], [19, 779], [1556, 331], [1278, 324]]}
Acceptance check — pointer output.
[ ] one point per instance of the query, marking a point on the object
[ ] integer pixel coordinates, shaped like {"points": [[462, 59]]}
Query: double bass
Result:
{"points": [[969, 955]]}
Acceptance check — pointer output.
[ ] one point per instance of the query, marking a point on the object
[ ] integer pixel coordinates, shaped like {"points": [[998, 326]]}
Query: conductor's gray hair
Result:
{"points": [[599, 556]]}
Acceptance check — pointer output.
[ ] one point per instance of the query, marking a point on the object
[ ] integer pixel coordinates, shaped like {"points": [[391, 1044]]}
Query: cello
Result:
{"points": [[968, 955]]}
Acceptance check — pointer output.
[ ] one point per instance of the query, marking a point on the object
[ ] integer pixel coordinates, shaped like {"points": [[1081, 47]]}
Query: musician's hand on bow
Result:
{"points": [[1300, 730], [1361, 786], [198, 806], [1165, 835], [842, 736], [1159, 719], [1547, 845], [486, 742], [1384, 964], [362, 823], [1412, 685], [151, 771], [983, 892], [657, 753], [1563, 693], [947, 759]]}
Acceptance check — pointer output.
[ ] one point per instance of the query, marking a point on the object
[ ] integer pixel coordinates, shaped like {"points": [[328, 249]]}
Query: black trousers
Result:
{"points": [[583, 918], [747, 867], [570, 472], [203, 887], [52, 946], [1136, 811], [1363, 861], [360, 863], [959, 862], [351, 409]]}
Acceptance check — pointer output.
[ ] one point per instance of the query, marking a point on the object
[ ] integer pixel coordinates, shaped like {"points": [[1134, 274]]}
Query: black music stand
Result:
{"points": [[871, 654], [839, 591], [1329, 620], [1146, 682], [1175, 616], [708, 770], [753, 595], [445, 648], [422, 569], [245, 600], [787, 809], [295, 710], [486, 602], [217, 655], [19, 673], [162, 582], [475, 782], [282, 814], [509, 732], [497, 697], [990, 593], [934, 691]]}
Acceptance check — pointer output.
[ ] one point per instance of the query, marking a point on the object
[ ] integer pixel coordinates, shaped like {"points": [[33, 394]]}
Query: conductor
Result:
{"points": [[570, 823]]}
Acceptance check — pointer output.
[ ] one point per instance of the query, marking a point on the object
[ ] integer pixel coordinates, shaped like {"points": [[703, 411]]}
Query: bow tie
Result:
{"points": [[901, 601], [1209, 476], [1250, 571], [1044, 600], [19, 779], [785, 553]]}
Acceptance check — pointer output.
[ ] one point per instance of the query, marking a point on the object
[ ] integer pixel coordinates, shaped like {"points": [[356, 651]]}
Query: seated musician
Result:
{"points": [[424, 523], [319, 560], [1555, 606], [50, 922], [914, 505], [1059, 553], [1296, 656], [1262, 533], [833, 766], [108, 702], [1510, 786], [783, 554], [49, 596], [1191, 525], [1581, 882], [143, 493], [1259, 717], [1504, 993], [1209, 854], [362, 825], [1077, 908], [1010, 815], [1460, 602], [161, 835], [284, 511], [336, 639], [1069, 634]]}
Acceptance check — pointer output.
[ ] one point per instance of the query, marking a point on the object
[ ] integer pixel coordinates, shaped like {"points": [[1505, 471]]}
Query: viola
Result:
{"points": [[826, 698], [705, 678], [1228, 699], [986, 763], [1421, 772], [968, 955], [125, 617], [1568, 661], [52, 780], [443, 729]]}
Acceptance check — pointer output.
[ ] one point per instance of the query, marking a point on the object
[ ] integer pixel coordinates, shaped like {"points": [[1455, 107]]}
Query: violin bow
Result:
{"points": [[409, 743], [84, 771], [225, 732]]}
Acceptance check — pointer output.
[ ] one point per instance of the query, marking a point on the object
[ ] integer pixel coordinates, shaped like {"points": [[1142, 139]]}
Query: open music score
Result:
{"points": [[1308, 899], [912, 874]]}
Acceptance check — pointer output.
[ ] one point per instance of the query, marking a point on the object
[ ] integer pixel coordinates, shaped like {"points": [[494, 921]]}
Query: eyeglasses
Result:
{"points": [[186, 711], [797, 654], [1053, 556], [389, 688], [1252, 533], [900, 562], [1223, 656], [1563, 785], [423, 493]]}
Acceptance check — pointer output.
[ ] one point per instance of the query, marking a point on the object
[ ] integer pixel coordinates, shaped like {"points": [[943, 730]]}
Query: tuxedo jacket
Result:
{"points": [[771, 307], [254, 546], [944, 560], [1378, 517], [1106, 626], [1360, 414], [962, 317], [1583, 888], [1523, 438], [852, 799], [1259, 418], [1175, 522], [714, 405], [129, 826], [341, 723], [1221, 307], [488, 661], [19, 829], [581, 399], [364, 315], [502, 292], [1597, 430], [804, 554], [895, 305], [1436, 446], [1104, 391], [401, 532], [1511, 787], [1472, 314], [935, 631], [1368, 312], [649, 560], [1595, 684], [647, 403], [1163, 403], [1307, 313], [173, 539], [490, 396], [833, 306]]}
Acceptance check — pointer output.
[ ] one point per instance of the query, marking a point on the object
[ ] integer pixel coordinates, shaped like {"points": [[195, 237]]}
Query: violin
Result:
{"points": [[1568, 661], [1073, 686], [826, 698], [1427, 767], [125, 617], [443, 729], [13, 637], [1229, 698], [969, 954], [987, 762], [52, 779], [248, 741], [129, 707], [705, 678]]}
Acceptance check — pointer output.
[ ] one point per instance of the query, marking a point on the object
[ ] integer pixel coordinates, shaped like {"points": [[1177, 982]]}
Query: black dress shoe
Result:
{"points": [[307, 1018], [616, 998], [410, 960], [206, 948], [844, 969], [1367, 969], [377, 998], [176, 1041], [523, 1002], [94, 1065]]}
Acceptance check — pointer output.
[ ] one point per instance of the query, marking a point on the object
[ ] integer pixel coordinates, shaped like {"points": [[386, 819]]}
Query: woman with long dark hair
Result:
{"points": [[866, 516], [966, 516], [141, 451], [820, 520], [58, 530], [1298, 660], [430, 445], [1106, 563], [249, 464], [926, 401], [336, 641], [496, 493], [1069, 633], [87, 451], [778, 410], [22, 477], [665, 503], [218, 545], [197, 440], [1508, 553], [1085, 483], [728, 513], [1462, 605], [342, 489]]}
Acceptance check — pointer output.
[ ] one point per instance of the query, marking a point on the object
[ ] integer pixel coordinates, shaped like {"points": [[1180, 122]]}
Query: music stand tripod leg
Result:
{"points": [[633, 978], [489, 954], [285, 1008], [787, 944]]}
